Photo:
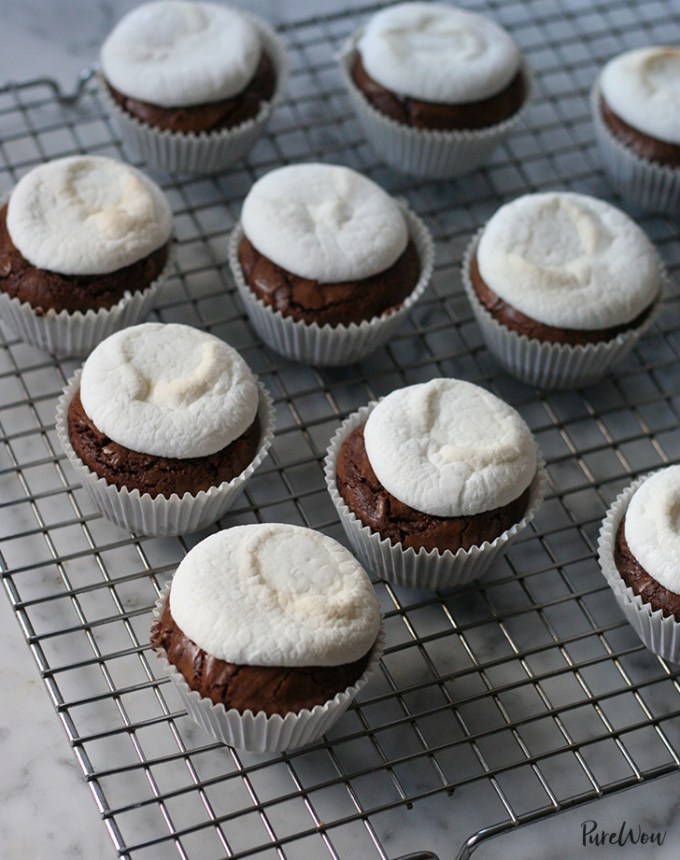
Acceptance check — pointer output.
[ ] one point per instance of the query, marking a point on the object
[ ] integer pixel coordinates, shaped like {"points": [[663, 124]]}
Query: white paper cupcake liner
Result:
{"points": [[421, 152], [551, 365], [144, 514], [328, 345], [66, 333], [647, 184], [422, 569], [206, 152], [256, 732], [661, 634]]}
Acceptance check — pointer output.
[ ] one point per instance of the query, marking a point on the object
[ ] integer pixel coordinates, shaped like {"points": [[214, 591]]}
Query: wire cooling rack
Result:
{"points": [[495, 705]]}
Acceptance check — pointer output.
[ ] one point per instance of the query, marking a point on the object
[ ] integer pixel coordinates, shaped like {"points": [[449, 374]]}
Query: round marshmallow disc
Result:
{"points": [[449, 448], [176, 54], [438, 53], [652, 527], [569, 261], [324, 222], [642, 87], [275, 595], [168, 390], [87, 215]]}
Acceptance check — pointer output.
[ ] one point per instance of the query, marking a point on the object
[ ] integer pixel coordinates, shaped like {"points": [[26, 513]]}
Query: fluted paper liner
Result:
{"points": [[158, 515], [205, 152], [660, 633], [329, 345], [551, 365], [256, 732], [650, 185], [421, 569], [428, 153]]}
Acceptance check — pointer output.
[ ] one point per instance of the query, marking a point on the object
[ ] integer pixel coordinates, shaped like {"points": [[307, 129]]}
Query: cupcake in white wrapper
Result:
{"points": [[562, 299], [644, 183], [639, 137], [331, 345], [64, 251], [329, 261], [195, 82], [656, 554], [324, 620], [193, 412], [467, 102], [438, 567]]}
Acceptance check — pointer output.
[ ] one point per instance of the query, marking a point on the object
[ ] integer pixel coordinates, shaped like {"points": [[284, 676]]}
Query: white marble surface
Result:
{"points": [[59, 38], [46, 810]]}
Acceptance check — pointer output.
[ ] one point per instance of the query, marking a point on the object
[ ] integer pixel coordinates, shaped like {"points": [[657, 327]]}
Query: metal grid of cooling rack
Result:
{"points": [[496, 705]]}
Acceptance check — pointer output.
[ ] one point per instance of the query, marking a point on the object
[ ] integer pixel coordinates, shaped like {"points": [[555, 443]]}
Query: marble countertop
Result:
{"points": [[46, 810]]}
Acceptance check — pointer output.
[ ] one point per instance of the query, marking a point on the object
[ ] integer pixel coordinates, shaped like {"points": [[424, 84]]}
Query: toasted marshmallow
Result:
{"points": [[173, 53], [642, 87], [168, 390], [450, 448], [87, 215], [438, 53], [324, 222], [569, 261], [652, 527], [275, 594]]}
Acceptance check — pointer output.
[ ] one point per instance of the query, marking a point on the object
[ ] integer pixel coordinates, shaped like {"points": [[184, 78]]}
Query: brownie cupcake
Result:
{"points": [[191, 85], [435, 87], [562, 285], [433, 481], [85, 243], [269, 631], [327, 263], [636, 111], [639, 553], [164, 426]]}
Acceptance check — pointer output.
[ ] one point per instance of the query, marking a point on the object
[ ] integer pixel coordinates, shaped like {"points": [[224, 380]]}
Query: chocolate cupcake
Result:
{"points": [[191, 85], [432, 482], [435, 87], [563, 286], [636, 111], [164, 426], [85, 244], [639, 553], [269, 631], [327, 263]]}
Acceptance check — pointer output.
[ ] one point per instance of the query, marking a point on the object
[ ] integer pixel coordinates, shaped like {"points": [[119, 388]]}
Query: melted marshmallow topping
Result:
{"points": [[168, 390], [87, 215], [438, 53], [176, 54], [652, 527], [324, 222], [275, 595], [568, 260], [643, 88], [450, 448]]}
